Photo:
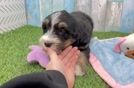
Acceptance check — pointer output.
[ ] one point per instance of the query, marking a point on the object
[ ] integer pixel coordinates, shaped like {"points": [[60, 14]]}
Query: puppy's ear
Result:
{"points": [[75, 33], [80, 37]]}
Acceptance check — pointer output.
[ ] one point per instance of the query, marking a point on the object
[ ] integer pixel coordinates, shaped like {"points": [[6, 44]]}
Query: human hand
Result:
{"points": [[64, 63], [69, 58]]}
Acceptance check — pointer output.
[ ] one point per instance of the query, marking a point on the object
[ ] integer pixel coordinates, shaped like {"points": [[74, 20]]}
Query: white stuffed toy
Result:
{"points": [[126, 45]]}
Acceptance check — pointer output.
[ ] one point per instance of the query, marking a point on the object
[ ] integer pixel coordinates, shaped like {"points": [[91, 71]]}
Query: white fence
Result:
{"points": [[108, 15], [105, 13], [12, 14]]}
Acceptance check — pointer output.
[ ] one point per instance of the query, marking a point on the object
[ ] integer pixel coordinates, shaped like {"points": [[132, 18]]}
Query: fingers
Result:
{"points": [[51, 53], [70, 53], [67, 59], [73, 59], [64, 53]]}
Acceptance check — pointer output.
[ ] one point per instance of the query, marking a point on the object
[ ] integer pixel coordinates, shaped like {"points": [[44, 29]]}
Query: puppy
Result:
{"points": [[62, 29]]}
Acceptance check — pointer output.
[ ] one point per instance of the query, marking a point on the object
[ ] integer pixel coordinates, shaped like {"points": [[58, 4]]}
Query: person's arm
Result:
{"points": [[48, 79], [59, 73]]}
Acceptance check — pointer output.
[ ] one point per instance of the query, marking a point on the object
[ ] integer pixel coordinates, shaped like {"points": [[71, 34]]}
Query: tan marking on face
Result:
{"points": [[68, 43], [46, 22], [62, 25]]}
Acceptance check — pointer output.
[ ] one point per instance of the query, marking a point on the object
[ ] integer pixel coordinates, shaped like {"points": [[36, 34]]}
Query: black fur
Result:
{"points": [[79, 28], [83, 27]]}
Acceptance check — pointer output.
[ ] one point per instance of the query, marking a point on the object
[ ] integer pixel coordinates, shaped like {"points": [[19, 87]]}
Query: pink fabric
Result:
{"points": [[38, 55], [104, 75], [117, 47]]}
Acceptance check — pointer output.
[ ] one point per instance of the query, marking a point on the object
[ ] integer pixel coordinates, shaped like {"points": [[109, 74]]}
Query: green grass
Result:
{"points": [[14, 49]]}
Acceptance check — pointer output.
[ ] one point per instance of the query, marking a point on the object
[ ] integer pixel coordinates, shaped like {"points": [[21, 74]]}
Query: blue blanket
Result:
{"points": [[120, 67]]}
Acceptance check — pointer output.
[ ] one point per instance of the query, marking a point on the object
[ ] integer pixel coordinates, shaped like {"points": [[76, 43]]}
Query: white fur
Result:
{"points": [[55, 19], [49, 36], [129, 42]]}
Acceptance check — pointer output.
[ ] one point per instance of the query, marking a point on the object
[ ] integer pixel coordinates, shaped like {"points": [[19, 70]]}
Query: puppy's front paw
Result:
{"points": [[79, 71]]}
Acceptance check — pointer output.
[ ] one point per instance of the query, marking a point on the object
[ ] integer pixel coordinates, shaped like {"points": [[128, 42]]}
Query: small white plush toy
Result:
{"points": [[126, 45]]}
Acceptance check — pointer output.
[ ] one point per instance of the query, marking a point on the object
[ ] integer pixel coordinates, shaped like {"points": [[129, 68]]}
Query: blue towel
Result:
{"points": [[120, 67]]}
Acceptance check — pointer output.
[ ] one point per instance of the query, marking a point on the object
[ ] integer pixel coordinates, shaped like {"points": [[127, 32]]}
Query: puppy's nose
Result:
{"points": [[48, 44]]}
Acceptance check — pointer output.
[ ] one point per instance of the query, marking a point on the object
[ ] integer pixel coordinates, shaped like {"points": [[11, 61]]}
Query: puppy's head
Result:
{"points": [[58, 31]]}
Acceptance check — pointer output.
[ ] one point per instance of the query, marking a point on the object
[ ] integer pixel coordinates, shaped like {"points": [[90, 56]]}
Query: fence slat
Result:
{"points": [[99, 14], [113, 16], [84, 6], [33, 12], [69, 5], [46, 8], [127, 21], [58, 5], [12, 14]]}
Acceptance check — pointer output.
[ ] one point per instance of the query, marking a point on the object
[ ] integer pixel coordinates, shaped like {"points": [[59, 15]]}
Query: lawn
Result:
{"points": [[14, 49]]}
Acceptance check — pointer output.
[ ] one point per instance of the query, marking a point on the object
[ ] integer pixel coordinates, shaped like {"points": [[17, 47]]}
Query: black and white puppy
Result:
{"points": [[62, 29]]}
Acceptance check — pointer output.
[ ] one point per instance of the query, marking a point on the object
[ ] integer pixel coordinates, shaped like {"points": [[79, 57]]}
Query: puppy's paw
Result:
{"points": [[79, 71]]}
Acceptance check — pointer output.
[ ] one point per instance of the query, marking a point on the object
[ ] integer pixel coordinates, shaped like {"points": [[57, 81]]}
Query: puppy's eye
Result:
{"points": [[128, 48], [62, 31]]}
